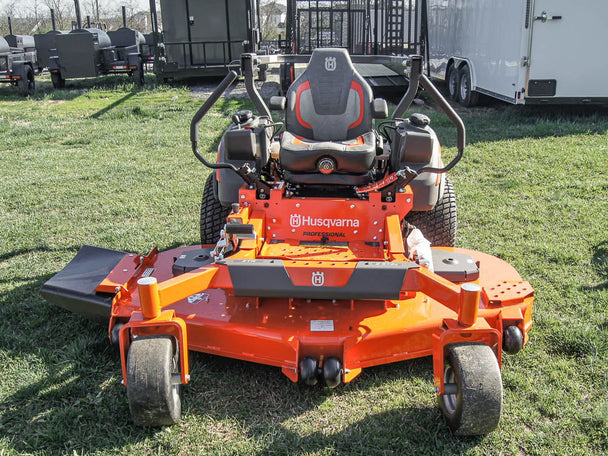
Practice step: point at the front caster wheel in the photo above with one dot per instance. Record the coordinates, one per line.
(332, 371)
(472, 402)
(153, 384)
(309, 370)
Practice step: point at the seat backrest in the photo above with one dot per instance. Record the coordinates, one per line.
(329, 101)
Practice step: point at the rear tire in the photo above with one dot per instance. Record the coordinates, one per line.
(213, 214)
(466, 95)
(439, 224)
(476, 406)
(152, 388)
(453, 82)
(27, 85)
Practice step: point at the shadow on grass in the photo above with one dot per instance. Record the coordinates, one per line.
(268, 406)
(599, 261)
(113, 105)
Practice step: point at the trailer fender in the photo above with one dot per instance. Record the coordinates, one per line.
(133, 60)
(19, 68)
(459, 62)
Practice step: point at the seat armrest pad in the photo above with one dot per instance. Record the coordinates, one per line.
(379, 108)
(277, 103)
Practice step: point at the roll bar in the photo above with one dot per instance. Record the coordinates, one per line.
(410, 65)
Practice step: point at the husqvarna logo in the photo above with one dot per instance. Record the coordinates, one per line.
(330, 63)
(298, 220)
(318, 279)
(295, 220)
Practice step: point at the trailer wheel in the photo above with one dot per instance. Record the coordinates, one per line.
(466, 96)
(153, 384)
(57, 80)
(27, 85)
(440, 223)
(213, 214)
(453, 82)
(472, 403)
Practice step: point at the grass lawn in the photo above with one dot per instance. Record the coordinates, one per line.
(105, 164)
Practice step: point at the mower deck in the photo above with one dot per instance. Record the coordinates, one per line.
(281, 331)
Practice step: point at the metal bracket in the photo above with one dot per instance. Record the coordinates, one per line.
(544, 17)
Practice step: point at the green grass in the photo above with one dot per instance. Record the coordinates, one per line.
(105, 164)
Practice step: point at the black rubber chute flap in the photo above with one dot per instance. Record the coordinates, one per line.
(73, 288)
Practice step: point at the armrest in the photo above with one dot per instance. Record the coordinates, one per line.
(278, 103)
(379, 108)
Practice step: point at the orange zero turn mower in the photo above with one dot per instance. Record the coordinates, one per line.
(327, 246)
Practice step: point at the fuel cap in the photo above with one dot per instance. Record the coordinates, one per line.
(419, 120)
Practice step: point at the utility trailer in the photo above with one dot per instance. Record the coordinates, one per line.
(520, 51)
(374, 27)
(203, 37)
(89, 52)
(17, 63)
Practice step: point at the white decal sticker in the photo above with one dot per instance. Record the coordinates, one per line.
(330, 63)
(295, 220)
(198, 297)
(321, 325)
(318, 279)
(148, 272)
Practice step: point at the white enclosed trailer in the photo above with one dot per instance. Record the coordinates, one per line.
(520, 51)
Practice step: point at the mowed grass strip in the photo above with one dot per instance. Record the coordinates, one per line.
(106, 164)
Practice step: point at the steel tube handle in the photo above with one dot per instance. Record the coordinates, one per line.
(453, 116)
(204, 109)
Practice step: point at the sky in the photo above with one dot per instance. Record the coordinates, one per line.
(85, 5)
(103, 4)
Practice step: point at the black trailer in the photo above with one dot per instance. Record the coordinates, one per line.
(17, 63)
(89, 52)
(148, 49)
(377, 27)
(363, 27)
(203, 37)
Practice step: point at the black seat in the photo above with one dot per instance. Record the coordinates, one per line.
(329, 116)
